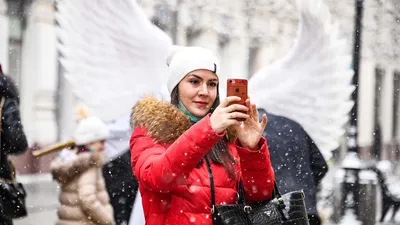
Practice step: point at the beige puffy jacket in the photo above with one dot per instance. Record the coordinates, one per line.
(83, 198)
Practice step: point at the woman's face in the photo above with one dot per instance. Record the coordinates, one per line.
(198, 91)
(97, 146)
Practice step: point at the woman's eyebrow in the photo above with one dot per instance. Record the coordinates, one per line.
(200, 78)
(196, 76)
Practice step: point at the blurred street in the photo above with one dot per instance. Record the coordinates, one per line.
(42, 194)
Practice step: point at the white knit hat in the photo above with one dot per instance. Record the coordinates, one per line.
(183, 60)
(89, 129)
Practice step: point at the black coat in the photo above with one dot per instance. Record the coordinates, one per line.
(13, 140)
(122, 186)
(297, 162)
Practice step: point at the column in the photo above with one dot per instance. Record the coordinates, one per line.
(39, 74)
(386, 109)
(4, 36)
(386, 112)
(66, 108)
(366, 106)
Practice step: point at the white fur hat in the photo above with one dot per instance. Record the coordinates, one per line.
(89, 129)
(183, 60)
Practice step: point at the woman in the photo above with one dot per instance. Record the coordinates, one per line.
(13, 140)
(172, 142)
(83, 198)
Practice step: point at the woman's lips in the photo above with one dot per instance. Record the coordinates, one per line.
(201, 103)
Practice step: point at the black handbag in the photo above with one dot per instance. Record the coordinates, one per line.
(12, 201)
(287, 209)
(12, 194)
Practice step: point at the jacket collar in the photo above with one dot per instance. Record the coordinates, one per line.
(162, 120)
(64, 170)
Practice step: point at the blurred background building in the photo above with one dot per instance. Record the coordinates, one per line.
(247, 35)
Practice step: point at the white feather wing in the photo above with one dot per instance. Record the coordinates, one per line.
(112, 54)
(312, 83)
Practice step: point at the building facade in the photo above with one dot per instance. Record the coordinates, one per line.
(247, 35)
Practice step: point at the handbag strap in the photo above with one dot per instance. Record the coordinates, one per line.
(3, 99)
(241, 192)
(212, 187)
(240, 188)
(275, 192)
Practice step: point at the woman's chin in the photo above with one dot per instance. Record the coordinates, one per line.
(200, 114)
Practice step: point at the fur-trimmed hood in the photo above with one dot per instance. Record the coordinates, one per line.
(162, 120)
(65, 170)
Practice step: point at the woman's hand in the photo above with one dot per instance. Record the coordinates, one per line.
(249, 132)
(226, 114)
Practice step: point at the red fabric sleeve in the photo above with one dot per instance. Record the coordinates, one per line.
(257, 172)
(159, 168)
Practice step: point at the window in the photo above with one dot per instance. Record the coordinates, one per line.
(377, 144)
(15, 16)
(254, 51)
(223, 45)
(379, 73)
(396, 99)
(162, 16)
(14, 56)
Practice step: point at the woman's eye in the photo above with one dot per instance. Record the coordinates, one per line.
(194, 81)
(213, 84)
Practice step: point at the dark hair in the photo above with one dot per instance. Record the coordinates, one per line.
(8, 88)
(219, 152)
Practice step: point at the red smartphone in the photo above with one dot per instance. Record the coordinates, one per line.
(237, 87)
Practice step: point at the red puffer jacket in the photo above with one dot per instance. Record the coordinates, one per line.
(165, 150)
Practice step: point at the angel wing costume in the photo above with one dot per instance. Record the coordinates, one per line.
(112, 54)
(312, 83)
(111, 63)
(108, 47)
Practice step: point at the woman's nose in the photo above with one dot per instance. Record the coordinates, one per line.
(203, 90)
